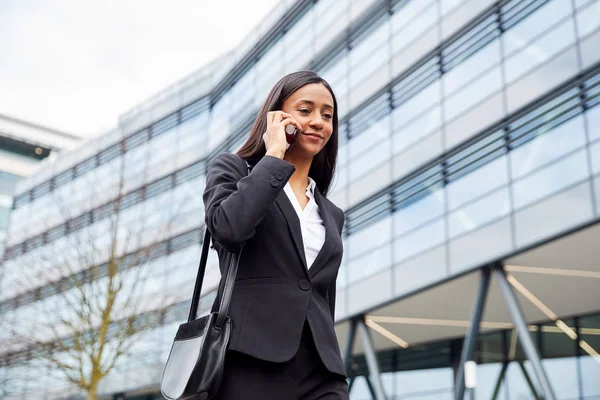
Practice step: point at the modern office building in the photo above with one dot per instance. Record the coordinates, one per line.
(23, 146)
(469, 172)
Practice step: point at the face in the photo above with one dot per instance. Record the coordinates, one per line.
(312, 107)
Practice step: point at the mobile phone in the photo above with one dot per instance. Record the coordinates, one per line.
(291, 132)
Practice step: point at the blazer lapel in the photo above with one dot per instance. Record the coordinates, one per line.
(330, 229)
(293, 223)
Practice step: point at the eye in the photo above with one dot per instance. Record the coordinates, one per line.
(304, 111)
(327, 116)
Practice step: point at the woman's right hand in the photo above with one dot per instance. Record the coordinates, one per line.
(274, 136)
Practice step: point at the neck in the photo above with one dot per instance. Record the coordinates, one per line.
(299, 179)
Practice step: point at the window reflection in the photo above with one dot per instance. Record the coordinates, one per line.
(478, 182)
(588, 19)
(540, 51)
(551, 179)
(522, 34)
(547, 146)
(407, 28)
(593, 123)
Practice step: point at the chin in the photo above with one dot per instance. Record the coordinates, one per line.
(307, 150)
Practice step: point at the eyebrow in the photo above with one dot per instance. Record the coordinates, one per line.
(312, 103)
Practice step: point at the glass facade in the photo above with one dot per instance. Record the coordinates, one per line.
(464, 124)
(427, 371)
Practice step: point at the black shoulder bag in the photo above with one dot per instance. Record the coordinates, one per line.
(196, 361)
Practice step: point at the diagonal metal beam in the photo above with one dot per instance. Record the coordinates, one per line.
(514, 308)
(471, 338)
(371, 357)
(499, 381)
(529, 381)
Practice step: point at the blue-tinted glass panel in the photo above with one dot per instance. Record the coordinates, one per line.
(526, 31)
(362, 70)
(368, 264)
(540, 51)
(479, 212)
(593, 123)
(407, 31)
(377, 34)
(478, 182)
(414, 107)
(449, 5)
(336, 70)
(407, 12)
(595, 155)
(472, 67)
(419, 240)
(588, 19)
(379, 130)
(547, 147)
(429, 206)
(551, 179)
(479, 89)
(369, 159)
(369, 238)
(417, 129)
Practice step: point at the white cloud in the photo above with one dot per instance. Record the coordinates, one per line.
(76, 65)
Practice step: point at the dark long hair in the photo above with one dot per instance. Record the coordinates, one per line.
(323, 164)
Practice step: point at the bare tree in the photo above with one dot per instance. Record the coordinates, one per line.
(99, 292)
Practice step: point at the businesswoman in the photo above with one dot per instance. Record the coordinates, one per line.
(283, 344)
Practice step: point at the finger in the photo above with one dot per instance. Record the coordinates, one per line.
(289, 121)
(271, 116)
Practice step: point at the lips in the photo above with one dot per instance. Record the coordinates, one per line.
(314, 135)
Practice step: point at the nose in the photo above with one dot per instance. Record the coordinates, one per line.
(316, 122)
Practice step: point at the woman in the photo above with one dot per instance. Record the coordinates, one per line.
(283, 344)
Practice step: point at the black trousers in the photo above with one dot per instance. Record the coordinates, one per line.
(304, 377)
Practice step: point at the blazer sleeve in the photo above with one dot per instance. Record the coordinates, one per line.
(235, 201)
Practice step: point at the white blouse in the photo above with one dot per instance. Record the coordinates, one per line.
(311, 223)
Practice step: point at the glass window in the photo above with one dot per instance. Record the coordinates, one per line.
(369, 159)
(479, 212)
(449, 5)
(362, 70)
(407, 28)
(548, 146)
(588, 19)
(474, 184)
(377, 35)
(473, 93)
(527, 30)
(369, 238)
(589, 329)
(593, 123)
(540, 51)
(410, 216)
(7, 182)
(595, 157)
(424, 384)
(335, 72)
(269, 64)
(419, 240)
(551, 179)
(581, 3)
(369, 263)
(415, 106)
(472, 67)
(406, 12)
(374, 134)
(417, 129)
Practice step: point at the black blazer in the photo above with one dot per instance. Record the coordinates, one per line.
(275, 292)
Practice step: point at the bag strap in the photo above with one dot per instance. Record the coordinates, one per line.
(230, 276)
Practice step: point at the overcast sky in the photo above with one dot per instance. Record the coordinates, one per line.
(75, 65)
